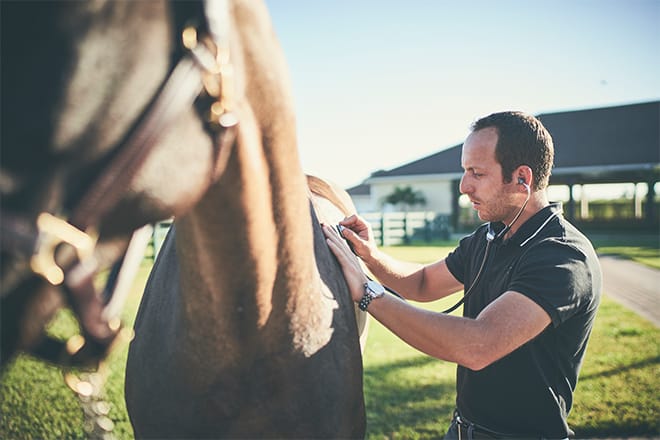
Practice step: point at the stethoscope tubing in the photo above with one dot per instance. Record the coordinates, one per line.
(490, 238)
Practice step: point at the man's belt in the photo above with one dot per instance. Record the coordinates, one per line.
(469, 430)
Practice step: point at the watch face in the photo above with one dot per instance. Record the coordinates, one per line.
(375, 287)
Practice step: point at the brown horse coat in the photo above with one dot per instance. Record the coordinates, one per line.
(246, 328)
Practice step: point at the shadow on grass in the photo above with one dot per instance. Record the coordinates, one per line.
(401, 403)
(622, 401)
(618, 370)
(406, 400)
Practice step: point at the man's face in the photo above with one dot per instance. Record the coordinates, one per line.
(482, 178)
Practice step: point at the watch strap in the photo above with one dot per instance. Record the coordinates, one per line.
(365, 301)
(369, 295)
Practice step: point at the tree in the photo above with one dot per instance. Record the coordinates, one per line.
(405, 196)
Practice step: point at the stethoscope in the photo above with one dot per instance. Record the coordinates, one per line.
(491, 236)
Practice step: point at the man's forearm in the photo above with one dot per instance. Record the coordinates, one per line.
(400, 276)
(413, 281)
(450, 338)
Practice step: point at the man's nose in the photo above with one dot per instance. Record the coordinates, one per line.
(463, 187)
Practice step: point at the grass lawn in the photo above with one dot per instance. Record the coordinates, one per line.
(408, 395)
(642, 248)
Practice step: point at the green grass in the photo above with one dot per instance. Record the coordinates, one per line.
(408, 395)
(36, 403)
(642, 248)
(411, 396)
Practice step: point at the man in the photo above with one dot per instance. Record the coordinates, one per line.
(532, 286)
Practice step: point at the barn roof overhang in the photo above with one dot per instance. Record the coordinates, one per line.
(624, 173)
(560, 176)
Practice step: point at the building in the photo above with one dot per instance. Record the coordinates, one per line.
(618, 144)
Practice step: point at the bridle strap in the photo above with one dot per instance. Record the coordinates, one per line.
(183, 86)
(177, 94)
(204, 67)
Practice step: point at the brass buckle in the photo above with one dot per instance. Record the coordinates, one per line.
(217, 77)
(54, 231)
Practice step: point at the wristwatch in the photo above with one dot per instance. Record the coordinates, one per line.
(372, 291)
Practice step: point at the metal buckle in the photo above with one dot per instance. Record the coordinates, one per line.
(54, 231)
(217, 76)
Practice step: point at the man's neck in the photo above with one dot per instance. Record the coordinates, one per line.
(537, 201)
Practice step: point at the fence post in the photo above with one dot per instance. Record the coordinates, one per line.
(406, 238)
(382, 228)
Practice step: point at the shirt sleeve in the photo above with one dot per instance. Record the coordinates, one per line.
(556, 276)
(453, 261)
(461, 260)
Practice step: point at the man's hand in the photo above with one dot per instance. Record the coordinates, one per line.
(353, 274)
(359, 234)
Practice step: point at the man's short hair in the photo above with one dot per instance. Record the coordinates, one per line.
(522, 140)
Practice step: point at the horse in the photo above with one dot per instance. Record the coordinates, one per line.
(150, 110)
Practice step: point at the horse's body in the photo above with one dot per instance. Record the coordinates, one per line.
(246, 327)
(235, 343)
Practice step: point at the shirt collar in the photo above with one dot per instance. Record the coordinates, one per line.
(534, 224)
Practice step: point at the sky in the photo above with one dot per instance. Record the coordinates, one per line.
(377, 84)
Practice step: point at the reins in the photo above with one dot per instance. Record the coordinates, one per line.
(202, 77)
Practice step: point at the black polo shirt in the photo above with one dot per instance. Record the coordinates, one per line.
(530, 391)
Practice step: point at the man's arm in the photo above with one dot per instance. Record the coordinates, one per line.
(507, 323)
(413, 281)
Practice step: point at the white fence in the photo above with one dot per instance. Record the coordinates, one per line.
(390, 228)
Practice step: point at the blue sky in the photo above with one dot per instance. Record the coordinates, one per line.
(381, 83)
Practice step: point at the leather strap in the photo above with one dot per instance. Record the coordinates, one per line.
(177, 94)
(203, 64)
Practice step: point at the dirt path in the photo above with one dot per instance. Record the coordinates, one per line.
(633, 285)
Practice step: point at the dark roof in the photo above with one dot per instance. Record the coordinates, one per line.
(628, 134)
(445, 161)
(360, 190)
(625, 137)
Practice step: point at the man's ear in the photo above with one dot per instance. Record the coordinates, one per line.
(523, 176)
